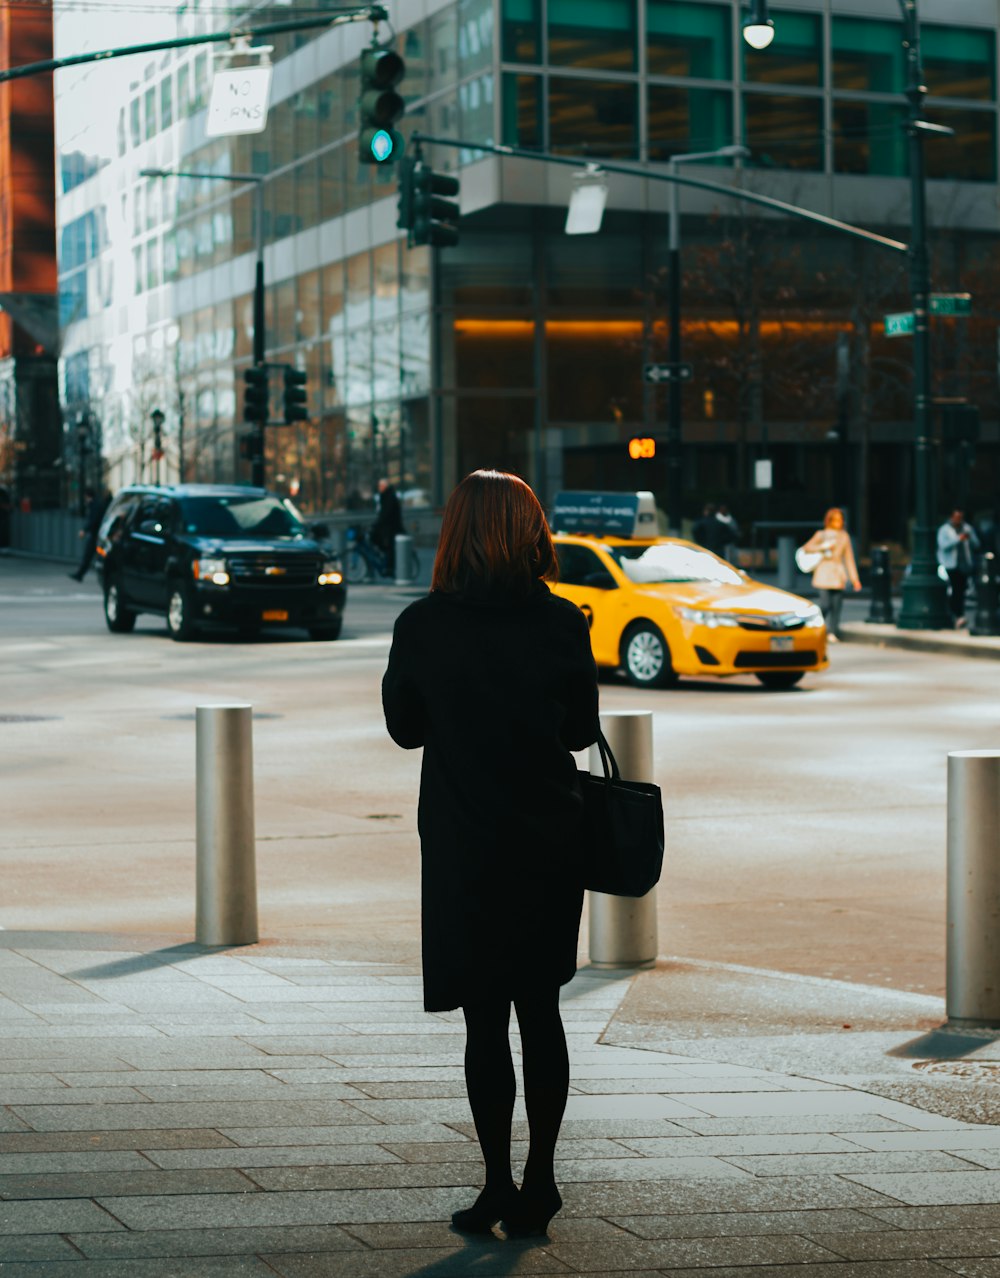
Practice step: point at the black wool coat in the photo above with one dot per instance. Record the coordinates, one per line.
(498, 691)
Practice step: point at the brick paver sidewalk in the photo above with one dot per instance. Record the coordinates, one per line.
(271, 1111)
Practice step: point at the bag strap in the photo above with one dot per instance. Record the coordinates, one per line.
(608, 761)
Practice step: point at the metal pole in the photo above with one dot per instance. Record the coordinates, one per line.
(257, 470)
(623, 929)
(403, 550)
(924, 605)
(675, 470)
(973, 962)
(226, 910)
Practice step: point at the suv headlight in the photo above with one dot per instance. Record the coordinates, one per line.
(330, 575)
(701, 617)
(213, 570)
(812, 619)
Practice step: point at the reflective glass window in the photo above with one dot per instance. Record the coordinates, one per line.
(416, 55)
(134, 120)
(475, 36)
(332, 296)
(592, 33)
(959, 62)
(359, 290)
(795, 56)
(586, 359)
(386, 280)
(307, 309)
(385, 359)
(609, 276)
(870, 137)
(414, 277)
(166, 103)
(783, 132)
(521, 34)
(443, 36)
(475, 113)
(491, 432)
(150, 112)
(688, 39)
(358, 385)
(415, 354)
(867, 56)
(183, 90)
(688, 120)
(969, 156)
(522, 110)
(331, 183)
(593, 117)
(494, 353)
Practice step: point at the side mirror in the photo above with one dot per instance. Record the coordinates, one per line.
(151, 527)
(320, 531)
(600, 581)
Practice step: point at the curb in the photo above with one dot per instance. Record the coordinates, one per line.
(960, 644)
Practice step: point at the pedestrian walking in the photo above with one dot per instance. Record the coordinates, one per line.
(956, 542)
(835, 569)
(388, 523)
(493, 676)
(96, 505)
(731, 533)
(708, 532)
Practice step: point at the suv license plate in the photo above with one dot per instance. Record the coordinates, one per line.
(274, 615)
(783, 644)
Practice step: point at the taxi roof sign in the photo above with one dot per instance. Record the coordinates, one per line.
(605, 514)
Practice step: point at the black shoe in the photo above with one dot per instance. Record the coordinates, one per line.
(490, 1207)
(532, 1212)
(74, 576)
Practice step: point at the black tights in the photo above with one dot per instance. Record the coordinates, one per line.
(489, 1076)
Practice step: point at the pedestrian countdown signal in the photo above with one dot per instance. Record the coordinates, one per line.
(642, 448)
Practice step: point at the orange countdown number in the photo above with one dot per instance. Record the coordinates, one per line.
(641, 449)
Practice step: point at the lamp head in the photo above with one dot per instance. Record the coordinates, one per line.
(758, 29)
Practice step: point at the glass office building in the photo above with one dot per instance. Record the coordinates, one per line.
(523, 347)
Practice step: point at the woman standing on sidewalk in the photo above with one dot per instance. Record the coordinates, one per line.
(835, 569)
(493, 675)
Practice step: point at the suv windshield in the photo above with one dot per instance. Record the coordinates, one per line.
(649, 565)
(236, 516)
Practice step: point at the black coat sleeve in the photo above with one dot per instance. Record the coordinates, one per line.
(401, 701)
(580, 727)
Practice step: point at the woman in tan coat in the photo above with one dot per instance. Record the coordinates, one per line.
(835, 569)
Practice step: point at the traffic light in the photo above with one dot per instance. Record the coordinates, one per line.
(248, 446)
(380, 106)
(423, 213)
(296, 409)
(256, 394)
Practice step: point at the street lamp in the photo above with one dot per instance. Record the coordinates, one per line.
(675, 470)
(758, 29)
(157, 418)
(257, 181)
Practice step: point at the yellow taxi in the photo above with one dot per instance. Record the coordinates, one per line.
(660, 607)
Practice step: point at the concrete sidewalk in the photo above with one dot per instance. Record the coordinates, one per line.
(174, 1111)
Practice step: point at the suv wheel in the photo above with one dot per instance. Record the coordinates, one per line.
(180, 625)
(646, 657)
(119, 618)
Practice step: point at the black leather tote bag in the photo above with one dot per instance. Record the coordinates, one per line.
(622, 833)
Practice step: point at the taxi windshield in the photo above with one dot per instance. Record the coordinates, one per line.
(238, 516)
(652, 565)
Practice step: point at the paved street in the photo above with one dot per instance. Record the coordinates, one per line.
(772, 1093)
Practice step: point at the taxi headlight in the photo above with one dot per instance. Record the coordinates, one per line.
(813, 619)
(330, 575)
(702, 617)
(213, 570)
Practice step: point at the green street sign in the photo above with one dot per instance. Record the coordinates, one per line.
(951, 304)
(900, 324)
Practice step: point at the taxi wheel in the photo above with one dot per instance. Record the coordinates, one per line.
(646, 657)
(778, 679)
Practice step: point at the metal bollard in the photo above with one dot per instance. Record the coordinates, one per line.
(623, 929)
(973, 963)
(404, 550)
(786, 562)
(880, 612)
(226, 911)
(987, 616)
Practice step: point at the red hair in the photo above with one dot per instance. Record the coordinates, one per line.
(493, 533)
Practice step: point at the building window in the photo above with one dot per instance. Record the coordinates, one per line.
(795, 57)
(135, 121)
(593, 117)
(475, 113)
(688, 120)
(522, 111)
(166, 103)
(521, 33)
(870, 138)
(475, 36)
(969, 156)
(150, 113)
(592, 33)
(686, 39)
(867, 56)
(783, 132)
(959, 62)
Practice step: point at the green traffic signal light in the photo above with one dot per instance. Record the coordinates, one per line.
(256, 394)
(380, 106)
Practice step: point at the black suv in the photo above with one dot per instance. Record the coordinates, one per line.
(203, 554)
